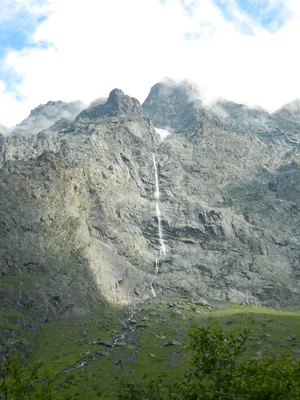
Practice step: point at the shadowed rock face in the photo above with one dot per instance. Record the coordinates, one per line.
(78, 218)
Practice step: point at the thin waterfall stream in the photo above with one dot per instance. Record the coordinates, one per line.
(162, 247)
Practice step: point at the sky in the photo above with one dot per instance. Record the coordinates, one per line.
(245, 51)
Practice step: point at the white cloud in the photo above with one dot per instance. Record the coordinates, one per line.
(10, 107)
(97, 45)
(10, 8)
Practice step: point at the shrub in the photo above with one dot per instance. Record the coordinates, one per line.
(217, 371)
(19, 383)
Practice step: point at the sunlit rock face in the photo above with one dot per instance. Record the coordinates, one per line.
(78, 215)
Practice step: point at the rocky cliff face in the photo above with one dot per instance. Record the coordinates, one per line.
(233, 232)
(78, 216)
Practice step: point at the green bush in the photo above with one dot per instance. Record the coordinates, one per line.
(217, 371)
(19, 383)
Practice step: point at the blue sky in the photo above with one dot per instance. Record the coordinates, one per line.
(271, 18)
(16, 31)
(18, 19)
(16, 38)
(81, 49)
(17, 25)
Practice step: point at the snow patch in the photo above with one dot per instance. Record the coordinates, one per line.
(163, 133)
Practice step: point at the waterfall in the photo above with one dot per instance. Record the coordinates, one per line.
(162, 250)
(156, 269)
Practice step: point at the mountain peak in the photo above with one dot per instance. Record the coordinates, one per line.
(171, 91)
(174, 105)
(117, 103)
(45, 115)
(292, 106)
(115, 94)
(121, 102)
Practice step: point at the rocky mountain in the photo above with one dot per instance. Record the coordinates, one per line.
(79, 209)
(45, 115)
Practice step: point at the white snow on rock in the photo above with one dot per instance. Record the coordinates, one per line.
(163, 133)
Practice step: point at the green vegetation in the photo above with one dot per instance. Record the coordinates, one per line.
(20, 383)
(216, 371)
(143, 354)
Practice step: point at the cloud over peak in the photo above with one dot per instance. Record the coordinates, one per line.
(82, 49)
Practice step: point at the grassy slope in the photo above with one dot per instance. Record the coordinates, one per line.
(16, 328)
(143, 354)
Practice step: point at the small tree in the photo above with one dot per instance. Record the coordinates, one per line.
(214, 355)
(19, 383)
